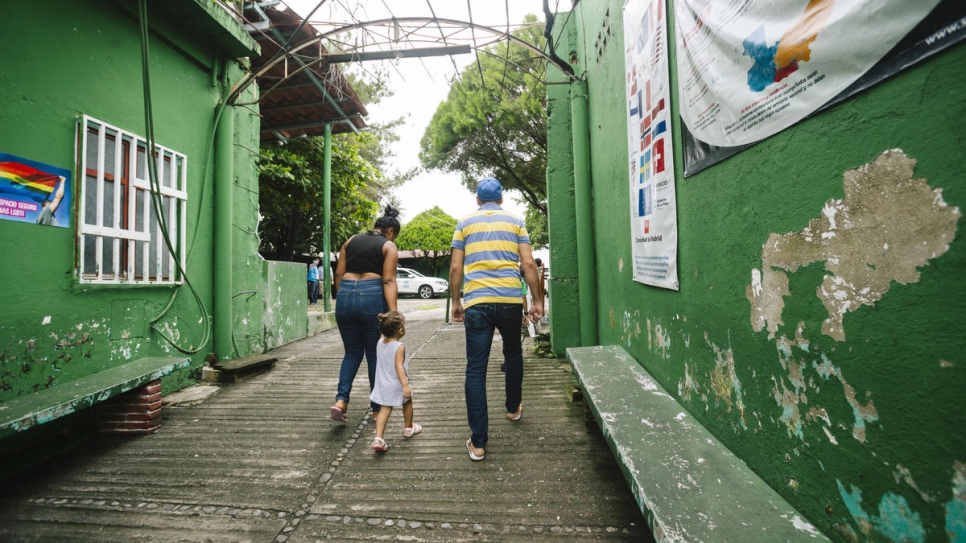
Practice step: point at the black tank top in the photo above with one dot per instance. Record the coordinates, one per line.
(363, 254)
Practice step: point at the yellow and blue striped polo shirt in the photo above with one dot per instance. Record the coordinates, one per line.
(490, 239)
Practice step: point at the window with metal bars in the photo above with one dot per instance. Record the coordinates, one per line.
(119, 237)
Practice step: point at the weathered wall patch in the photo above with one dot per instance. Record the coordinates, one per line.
(887, 225)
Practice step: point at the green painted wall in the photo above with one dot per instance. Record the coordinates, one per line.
(562, 286)
(87, 60)
(284, 319)
(861, 429)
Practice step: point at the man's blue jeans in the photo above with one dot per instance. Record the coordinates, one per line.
(480, 321)
(356, 305)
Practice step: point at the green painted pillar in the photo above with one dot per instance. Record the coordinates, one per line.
(327, 220)
(224, 181)
(583, 196)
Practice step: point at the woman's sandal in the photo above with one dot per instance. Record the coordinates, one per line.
(338, 414)
(412, 430)
(379, 445)
(473, 456)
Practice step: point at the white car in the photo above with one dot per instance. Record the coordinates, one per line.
(412, 282)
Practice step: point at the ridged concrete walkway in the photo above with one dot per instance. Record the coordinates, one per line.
(260, 461)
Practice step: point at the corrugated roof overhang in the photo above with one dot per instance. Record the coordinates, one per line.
(299, 96)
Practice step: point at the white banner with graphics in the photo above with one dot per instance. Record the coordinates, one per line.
(748, 70)
(654, 227)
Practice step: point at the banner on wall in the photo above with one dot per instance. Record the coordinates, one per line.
(34, 192)
(654, 229)
(748, 70)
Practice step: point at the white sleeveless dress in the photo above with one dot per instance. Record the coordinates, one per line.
(387, 389)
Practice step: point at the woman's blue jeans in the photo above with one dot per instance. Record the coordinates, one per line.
(356, 306)
(480, 321)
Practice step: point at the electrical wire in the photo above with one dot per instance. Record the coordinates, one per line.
(156, 195)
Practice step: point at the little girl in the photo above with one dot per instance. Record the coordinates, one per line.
(391, 388)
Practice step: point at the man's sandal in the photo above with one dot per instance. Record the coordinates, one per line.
(473, 456)
(516, 416)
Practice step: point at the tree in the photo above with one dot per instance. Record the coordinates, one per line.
(291, 196)
(493, 122)
(429, 236)
(537, 228)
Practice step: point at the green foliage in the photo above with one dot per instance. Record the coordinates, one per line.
(429, 235)
(291, 196)
(493, 122)
(536, 222)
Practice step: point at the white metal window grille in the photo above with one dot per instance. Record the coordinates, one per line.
(120, 240)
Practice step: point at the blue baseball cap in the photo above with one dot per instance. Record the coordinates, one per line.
(489, 190)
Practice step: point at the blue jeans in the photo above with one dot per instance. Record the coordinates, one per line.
(356, 305)
(480, 321)
(313, 291)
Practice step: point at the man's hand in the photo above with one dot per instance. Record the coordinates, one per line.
(457, 312)
(536, 311)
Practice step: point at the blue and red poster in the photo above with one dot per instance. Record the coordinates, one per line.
(34, 192)
(654, 227)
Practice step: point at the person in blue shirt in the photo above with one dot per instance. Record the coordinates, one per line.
(313, 282)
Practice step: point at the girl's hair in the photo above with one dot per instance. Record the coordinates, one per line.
(389, 219)
(392, 324)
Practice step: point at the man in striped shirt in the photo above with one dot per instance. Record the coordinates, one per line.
(489, 246)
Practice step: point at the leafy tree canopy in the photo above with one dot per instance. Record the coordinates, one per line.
(493, 122)
(429, 235)
(291, 196)
(537, 228)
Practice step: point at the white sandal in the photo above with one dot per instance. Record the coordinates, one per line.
(379, 445)
(412, 430)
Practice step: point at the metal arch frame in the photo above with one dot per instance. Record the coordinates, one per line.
(498, 34)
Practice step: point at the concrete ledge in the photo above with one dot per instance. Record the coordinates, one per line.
(320, 321)
(52, 403)
(688, 484)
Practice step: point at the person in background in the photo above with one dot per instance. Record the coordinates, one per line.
(365, 282)
(392, 388)
(542, 273)
(542, 277)
(489, 246)
(313, 282)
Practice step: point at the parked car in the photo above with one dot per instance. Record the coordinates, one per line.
(413, 282)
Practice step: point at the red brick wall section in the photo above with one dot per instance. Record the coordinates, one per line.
(135, 412)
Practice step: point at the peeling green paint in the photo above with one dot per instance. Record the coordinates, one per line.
(852, 233)
(956, 507)
(895, 520)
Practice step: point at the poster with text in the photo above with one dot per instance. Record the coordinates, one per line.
(748, 70)
(34, 192)
(654, 229)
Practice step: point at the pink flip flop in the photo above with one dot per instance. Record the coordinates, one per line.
(338, 414)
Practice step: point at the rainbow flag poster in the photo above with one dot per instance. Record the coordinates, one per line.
(34, 192)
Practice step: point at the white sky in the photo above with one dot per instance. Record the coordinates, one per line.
(421, 85)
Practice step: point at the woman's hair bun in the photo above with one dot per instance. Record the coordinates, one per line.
(391, 212)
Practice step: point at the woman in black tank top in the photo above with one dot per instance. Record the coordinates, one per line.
(365, 282)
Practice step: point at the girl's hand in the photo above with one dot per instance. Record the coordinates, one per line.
(407, 392)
